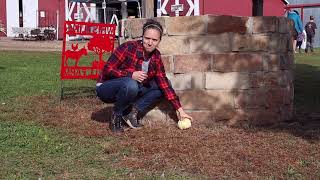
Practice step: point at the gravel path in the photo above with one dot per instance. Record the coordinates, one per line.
(29, 45)
(33, 45)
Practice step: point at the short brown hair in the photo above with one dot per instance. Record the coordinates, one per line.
(152, 24)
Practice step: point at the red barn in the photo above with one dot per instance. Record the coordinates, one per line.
(45, 13)
(221, 7)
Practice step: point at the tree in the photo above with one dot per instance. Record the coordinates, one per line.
(101, 44)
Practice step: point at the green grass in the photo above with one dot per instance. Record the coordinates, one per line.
(30, 151)
(307, 80)
(32, 73)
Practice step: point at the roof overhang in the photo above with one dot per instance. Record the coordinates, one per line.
(302, 6)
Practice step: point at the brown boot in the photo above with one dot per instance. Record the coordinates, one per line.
(132, 119)
(115, 123)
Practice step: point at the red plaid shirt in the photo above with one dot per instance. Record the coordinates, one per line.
(128, 58)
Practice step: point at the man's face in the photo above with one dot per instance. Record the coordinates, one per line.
(151, 40)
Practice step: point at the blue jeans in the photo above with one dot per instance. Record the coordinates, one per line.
(125, 92)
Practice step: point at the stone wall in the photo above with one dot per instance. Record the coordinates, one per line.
(225, 68)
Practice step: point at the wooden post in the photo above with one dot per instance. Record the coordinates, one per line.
(148, 8)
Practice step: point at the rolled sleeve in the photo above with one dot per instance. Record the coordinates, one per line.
(165, 86)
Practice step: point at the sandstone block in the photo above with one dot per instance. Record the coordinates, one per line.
(257, 79)
(272, 79)
(287, 112)
(180, 81)
(286, 78)
(264, 117)
(239, 62)
(275, 98)
(174, 45)
(133, 27)
(254, 98)
(198, 80)
(234, 24)
(283, 25)
(264, 24)
(271, 62)
(186, 25)
(201, 118)
(239, 118)
(168, 63)
(286, 61)
(221, 114)
(258, 117)
(211, 44)
(192, 62)
(250, 42)
(227, 81)
(206, 100)
(278, 43)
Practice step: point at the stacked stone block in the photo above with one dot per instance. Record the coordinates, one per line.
(225, 68)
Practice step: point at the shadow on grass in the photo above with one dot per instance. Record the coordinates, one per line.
(72, 92)
(102, 115)
(307, 87)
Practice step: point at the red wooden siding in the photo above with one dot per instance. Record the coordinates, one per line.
(240, 8)
(50, 8)
(273, 8)
(3, 13)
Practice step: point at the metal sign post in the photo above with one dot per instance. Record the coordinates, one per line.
(104, 5)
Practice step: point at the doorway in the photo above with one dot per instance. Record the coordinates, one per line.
(257, 7)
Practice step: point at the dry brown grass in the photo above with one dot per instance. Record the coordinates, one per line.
(287, 151)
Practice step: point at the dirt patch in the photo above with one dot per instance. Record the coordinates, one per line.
(217, 152)
(29, 45)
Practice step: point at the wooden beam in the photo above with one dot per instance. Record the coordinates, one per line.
(148, 8)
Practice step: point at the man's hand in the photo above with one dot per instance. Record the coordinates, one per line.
(183, 114)
(139, 76)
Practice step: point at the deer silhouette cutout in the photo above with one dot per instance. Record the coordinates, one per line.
(75, 54)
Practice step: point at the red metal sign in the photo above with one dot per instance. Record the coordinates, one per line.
(101, 41)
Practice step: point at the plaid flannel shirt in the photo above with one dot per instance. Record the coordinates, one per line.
(128, 58)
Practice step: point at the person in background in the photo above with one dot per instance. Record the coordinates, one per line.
(134, 78)
(301, 37)
(310, 28)
(297, 27)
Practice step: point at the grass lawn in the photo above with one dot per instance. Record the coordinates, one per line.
(43, 138)
(307, 81)
(29, 149)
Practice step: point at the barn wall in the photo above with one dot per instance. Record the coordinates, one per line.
(273, 8)
(226, 7)
(3, 12)
(237, 72)
(50, 9)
